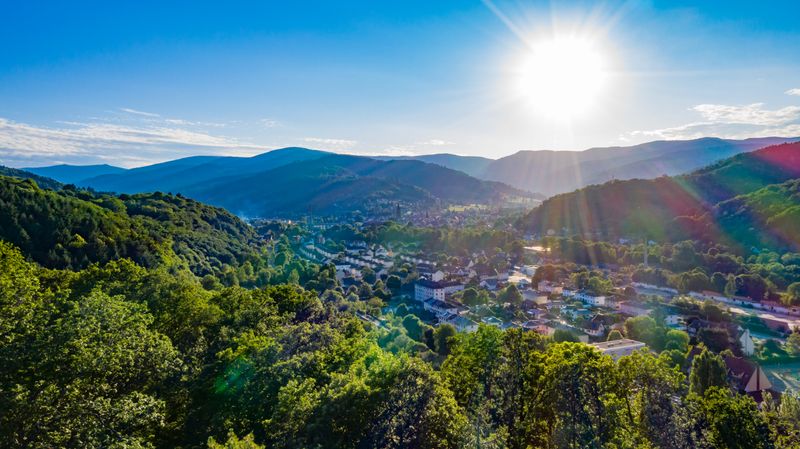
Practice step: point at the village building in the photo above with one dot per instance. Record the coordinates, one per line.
(587, 298)
(619, 348)
(540, 326)
(492, 321)
(747, 377)
(462, 324)
(550, 288)
(440, 307)
(425, 289)
(746, 341)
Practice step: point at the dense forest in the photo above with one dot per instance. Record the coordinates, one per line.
(123, 351)
(73, 228)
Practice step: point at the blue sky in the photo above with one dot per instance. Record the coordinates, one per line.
(141, 82)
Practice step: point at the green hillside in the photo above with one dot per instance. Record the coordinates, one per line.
(338, 183)
(699, 205)
(74, 228)
(768, 217)
(43, 182)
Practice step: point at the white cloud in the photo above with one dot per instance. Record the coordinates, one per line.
(752, 114)
(121, 144)
(436, 142)
(270, 123)
(142, 113)
(335, 144)
(731, 122)
(795, 91)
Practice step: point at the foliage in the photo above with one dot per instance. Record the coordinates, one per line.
(708, 370)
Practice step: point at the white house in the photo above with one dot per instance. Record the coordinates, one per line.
(441, 308)
(746, 340)
(588, 298)
(595, 327)
(619, 348)
(425, 289)
(461, 323)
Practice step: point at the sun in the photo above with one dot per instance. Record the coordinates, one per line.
(562, 77)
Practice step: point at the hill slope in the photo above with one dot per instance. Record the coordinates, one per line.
(713, 203)
(341, 183)
(74, 228)
(175, 176)
(43, 182)
(554, 172)
(298, 180)
(471, 165)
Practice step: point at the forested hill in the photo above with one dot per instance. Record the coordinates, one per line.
(44, 182)
(340, 183)
(297, 181)
(72, 228)
(706, 204)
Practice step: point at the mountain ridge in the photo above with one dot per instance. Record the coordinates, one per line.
(710, 203)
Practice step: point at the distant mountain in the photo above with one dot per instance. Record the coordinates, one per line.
(74, 174)
(721, 202)
(41, 181)
(299, 180)
(553, 172)
(471, 165)
(175, 176)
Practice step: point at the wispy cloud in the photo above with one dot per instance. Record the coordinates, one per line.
(751, 114)
(436, 143)
(331, 144)
(122, 144)
(142, 113)
(730, 121)
(270, 123)
(795, 91)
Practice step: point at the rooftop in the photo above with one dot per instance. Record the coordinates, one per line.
(618, 344)
(436, 285)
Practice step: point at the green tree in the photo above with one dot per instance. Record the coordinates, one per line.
(614, 335)
(441, 338)
(708, 370)
(644, 328)
(677, 340)
(793, 342)
(413, 326)
(561, 335)
(234, 442)
(792, 296)
(733, 420)
(394, 283)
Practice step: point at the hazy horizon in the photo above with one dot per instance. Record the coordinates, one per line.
(384, 155)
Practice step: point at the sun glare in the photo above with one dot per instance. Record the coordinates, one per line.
(562, 77)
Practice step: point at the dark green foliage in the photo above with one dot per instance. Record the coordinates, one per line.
(74, 228)
(733, 421)
(708, 370)
(41, 181)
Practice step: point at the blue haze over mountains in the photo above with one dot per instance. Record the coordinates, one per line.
(296, 180)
